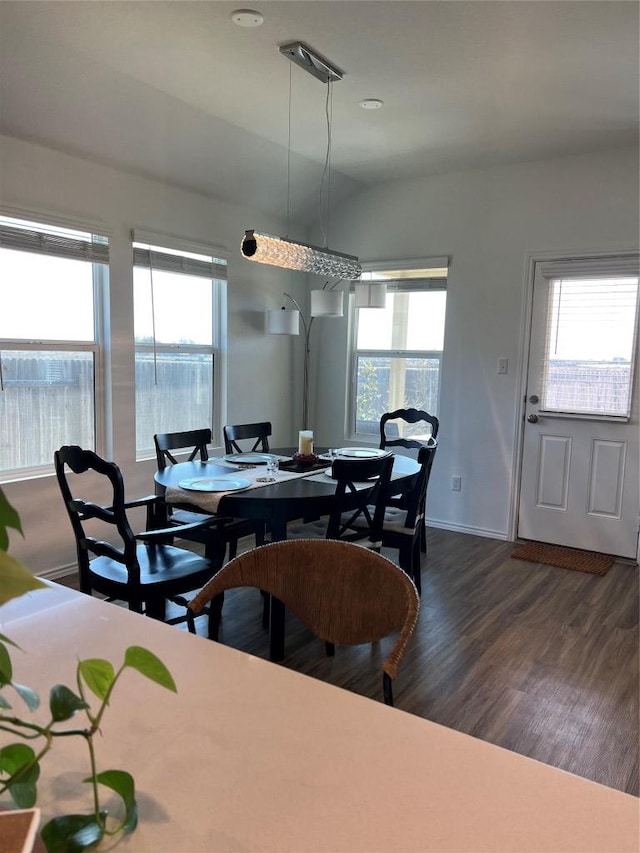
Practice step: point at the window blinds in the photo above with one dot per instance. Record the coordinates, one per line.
(59, 243)
(153, 258)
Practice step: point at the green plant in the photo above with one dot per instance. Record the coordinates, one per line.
(20, 761)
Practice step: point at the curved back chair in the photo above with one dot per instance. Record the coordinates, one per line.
(342, 592)
(141, 568)
(196, 441)
(233, 433)
(390, 438)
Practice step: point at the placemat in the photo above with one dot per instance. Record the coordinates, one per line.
(209, 501)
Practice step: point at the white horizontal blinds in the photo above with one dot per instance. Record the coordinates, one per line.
(591, 332)
(152, 257)
(57, 242)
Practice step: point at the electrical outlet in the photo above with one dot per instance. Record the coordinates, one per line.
(456, 484)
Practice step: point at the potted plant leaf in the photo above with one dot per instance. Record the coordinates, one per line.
(25, 741)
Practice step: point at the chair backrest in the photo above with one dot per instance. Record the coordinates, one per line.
(233, 433)
(195, 440)
(81, 511)
(348, 473)
(415, 499)
(343, 593)
(389, 430)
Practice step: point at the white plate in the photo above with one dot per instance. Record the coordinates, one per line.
(215, 484)
(249, 458)
(361, 452)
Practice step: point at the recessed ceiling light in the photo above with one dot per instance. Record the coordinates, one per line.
(247, 18)
(371, 104)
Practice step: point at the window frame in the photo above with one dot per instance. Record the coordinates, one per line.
(219, 259)
(100, 286)
(404, 280)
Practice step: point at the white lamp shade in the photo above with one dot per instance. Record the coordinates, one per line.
(326, 303)
(283, 322)
(370, 295)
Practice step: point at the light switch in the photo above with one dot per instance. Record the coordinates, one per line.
(503, 365)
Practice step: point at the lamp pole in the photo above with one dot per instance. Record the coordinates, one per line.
(307, 349)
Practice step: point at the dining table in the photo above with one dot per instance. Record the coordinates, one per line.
(295, 493)
(249, 756)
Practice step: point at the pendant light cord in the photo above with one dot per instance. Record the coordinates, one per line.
(289, 160)
(326, 172)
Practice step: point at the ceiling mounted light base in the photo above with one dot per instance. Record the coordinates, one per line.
(289, 254)
(311, 61)
(247, 18)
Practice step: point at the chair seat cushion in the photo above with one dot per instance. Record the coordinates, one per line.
(311, 530)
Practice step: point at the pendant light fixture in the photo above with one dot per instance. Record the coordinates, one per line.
(282, 251)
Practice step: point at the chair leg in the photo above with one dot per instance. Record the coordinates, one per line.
(215, 616)
(423, 538)
(330, 649)
(416, 566)
(266, 609)
(233, 548)
(387, 689)
(157, 608)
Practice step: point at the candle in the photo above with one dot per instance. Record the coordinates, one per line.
(305, 441)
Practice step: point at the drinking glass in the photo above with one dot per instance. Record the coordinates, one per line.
(273, 466)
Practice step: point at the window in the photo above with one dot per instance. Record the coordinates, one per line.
(177, 317)
(397, 350)
(50, 371)
(587, 367)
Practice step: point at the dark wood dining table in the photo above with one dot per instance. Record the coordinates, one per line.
(277, 504)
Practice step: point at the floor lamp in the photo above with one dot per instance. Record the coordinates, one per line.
(286, 321)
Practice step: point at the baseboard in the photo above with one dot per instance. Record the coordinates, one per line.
(60, 572)
(463, 528)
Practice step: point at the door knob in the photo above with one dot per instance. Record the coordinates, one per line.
(533, 419)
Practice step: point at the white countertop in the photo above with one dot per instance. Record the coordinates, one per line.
(250, 756)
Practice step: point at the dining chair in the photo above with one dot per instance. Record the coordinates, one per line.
(344, 593)
(389, 428)
(357, 512)
(140, 569)
(195, 442)
(259, 432)
(390, 437)
(402, 527)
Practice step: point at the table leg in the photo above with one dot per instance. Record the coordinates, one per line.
(276, 621)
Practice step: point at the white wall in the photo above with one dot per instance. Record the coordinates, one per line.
(260, 379)
(486, 221)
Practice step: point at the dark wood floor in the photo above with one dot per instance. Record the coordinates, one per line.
(539, 660)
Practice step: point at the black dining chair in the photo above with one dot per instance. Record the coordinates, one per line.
(195, 443)
(357, 511)
(402, 527)
(140, 569)
(392, 424)
(258, 432)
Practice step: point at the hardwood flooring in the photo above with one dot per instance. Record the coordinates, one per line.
(539, 660)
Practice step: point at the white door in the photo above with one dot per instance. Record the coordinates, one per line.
(580, 463)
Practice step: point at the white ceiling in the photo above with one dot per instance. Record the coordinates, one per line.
(175, 90)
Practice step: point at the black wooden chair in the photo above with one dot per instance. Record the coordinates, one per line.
(389, 432)
(195, 442)
(141, 569)
(343, 593)
(390, 437)
(258, 432)
(364, 519)
(403, 527)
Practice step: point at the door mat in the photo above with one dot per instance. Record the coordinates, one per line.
(564, 558)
